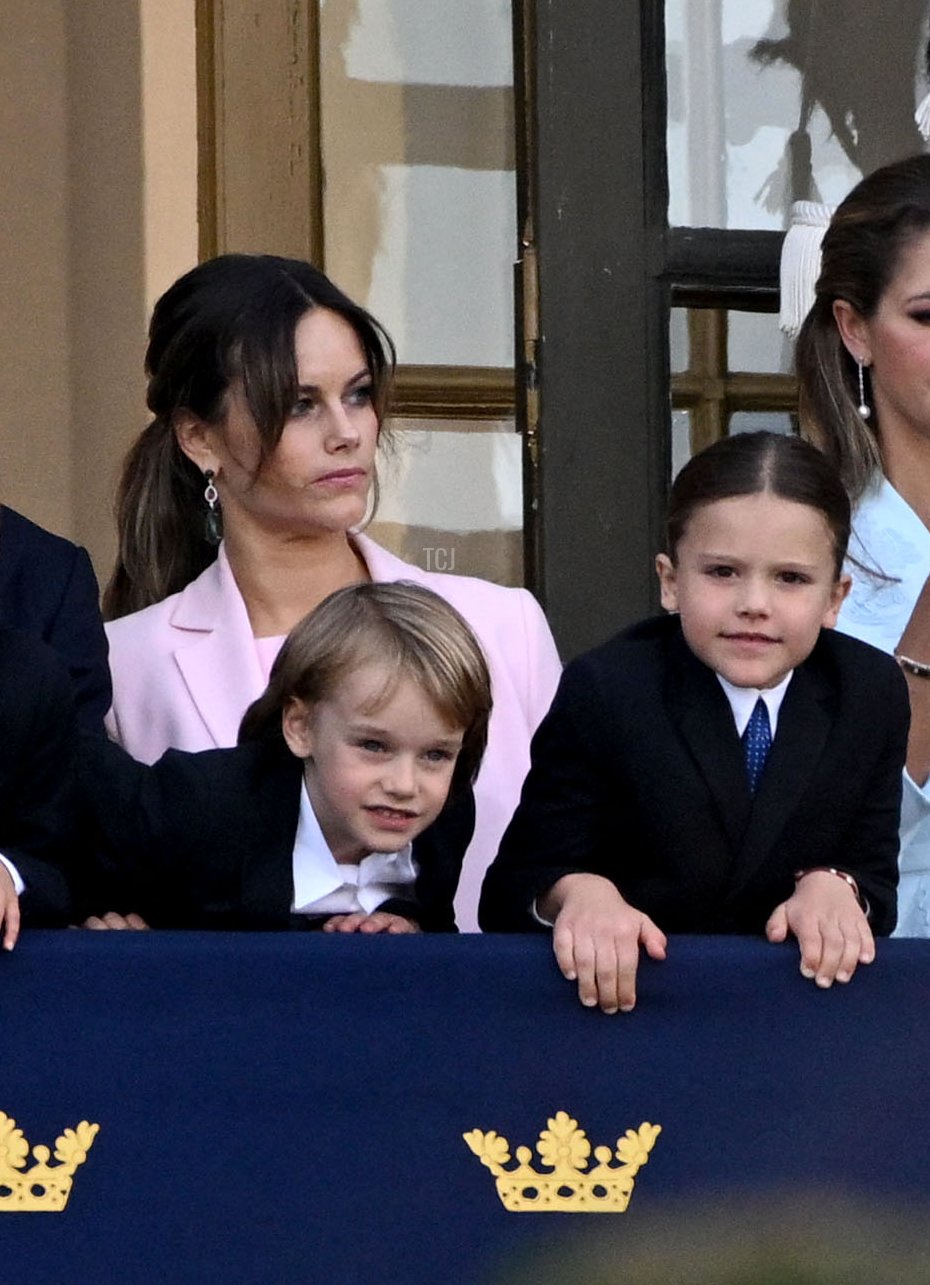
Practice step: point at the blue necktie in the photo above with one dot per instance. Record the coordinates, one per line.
(757, 741)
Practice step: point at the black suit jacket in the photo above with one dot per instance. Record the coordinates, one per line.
(206, 840)
(38, 831)
(638, 774)
(48, 590)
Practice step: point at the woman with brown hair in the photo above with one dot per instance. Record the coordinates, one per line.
(240, 509)
(863, 360)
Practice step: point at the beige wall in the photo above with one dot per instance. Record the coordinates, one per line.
(35, 450)
(106, 255)
(97, 215)
(169, 142)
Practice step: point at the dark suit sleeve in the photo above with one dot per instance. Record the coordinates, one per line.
(156, 832)
(125, 829)
(38, 812)
(557, 828)
(207, 839)
(868, 849)
(48, 590)
(196, 840)
(76, 632)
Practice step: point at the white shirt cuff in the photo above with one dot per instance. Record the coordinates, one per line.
(18, 884)
(534, 911)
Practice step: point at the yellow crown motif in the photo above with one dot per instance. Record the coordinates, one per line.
(570, 1186)
(43, 1188)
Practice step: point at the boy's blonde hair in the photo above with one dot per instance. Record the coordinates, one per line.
(409, 630)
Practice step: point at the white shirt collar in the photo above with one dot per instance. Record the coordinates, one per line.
(743, 701)
(324, 886)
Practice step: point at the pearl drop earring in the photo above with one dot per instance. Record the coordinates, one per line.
(865, 410)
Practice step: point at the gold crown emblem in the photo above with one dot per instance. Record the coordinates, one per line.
(43, 1188)
(570, 1186)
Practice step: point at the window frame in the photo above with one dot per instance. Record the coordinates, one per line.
(593, 376)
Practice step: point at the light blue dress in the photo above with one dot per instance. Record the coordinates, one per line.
(893, 547)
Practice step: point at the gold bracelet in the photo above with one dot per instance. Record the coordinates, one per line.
(913, 666)
(832, 870)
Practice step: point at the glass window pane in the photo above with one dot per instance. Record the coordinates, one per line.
(452, 497)
(681, 439)
(733, 376)
(775, 101)
(678, 339)
(756, 343)
(770, 421)
(418, 152)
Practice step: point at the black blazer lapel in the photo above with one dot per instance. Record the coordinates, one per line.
(699, 708)
(804, 723)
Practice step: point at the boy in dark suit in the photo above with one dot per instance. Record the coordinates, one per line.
(736, 768)
(347, 805)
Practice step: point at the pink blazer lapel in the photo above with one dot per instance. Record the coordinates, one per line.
(384, 567)
(217, 657)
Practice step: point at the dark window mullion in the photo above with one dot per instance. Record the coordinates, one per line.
(721, 268)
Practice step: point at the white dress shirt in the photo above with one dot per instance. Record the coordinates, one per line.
(325, 886)
(743, 701)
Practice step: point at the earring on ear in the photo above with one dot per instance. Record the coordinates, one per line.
(213, 520)
(865, 410)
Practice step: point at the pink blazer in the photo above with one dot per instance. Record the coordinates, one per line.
(185, 670)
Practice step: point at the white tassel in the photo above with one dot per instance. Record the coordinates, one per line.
(922, 117)
(800, 262)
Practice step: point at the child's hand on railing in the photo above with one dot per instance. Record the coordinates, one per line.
(597, 936)
(831, 927)
(378, 922)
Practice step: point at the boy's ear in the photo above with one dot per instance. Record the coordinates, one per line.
(668, 582)
(853, 331)
(838, 596)
(195, 438)
(297, 727)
